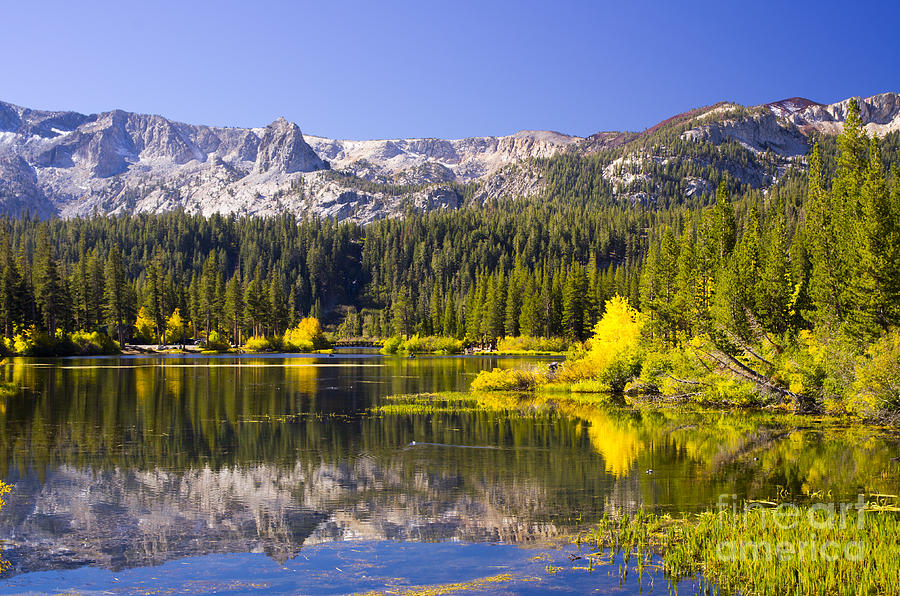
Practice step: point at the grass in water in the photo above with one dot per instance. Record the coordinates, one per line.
(426, 403)
(451, 403)
(765, 548)
(4, 488)
(479, 584)
(419, 409)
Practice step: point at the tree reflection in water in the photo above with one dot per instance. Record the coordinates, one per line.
(127, 462)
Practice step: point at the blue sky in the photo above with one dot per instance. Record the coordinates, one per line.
(381, 69)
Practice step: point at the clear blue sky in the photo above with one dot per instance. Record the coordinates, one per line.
(377, 69)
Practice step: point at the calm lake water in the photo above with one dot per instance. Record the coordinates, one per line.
(274, 474)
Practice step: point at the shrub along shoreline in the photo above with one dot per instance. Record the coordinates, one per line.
(520, 345)
(305, 337)
(32, 341)
(810, 374)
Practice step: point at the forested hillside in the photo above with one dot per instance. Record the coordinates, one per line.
(814, 251)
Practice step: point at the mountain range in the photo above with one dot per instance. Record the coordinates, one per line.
(68, 164)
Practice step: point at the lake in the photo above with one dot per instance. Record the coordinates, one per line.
(272, 474)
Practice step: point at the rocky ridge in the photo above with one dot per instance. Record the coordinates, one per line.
(69, 164)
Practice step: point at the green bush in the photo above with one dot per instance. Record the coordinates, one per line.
(93, 343)
(391, 345)
(258, 343)
(622, 369)
(724, 388)
(216, 343)
(877, 386)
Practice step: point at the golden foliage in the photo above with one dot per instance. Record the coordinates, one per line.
(175, 328)
(145, 327)
(306, 336)
(615, 341)
(877, 386)
(509, 379)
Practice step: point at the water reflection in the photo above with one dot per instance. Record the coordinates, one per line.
(128, 462)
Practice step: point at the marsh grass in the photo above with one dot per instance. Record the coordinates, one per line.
(419, 409)
(426, 403)
(480, 584)
(451, 402)
(4, 489)
(749, 552)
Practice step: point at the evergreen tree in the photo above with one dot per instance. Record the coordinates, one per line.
(255, 304)
(277, 305)
(207, 303)
(402, 312)
(684, 303)
(437, 312)
(877, 285)
(13, 294)
(234, 307)
(117, 294)
(50, 288)
(449, 324)
(574, 293)
(723, 225)
(530, 319)
(775, 288)
(828, 277)
(514, 300)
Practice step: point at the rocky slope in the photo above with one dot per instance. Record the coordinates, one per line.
(69, 164)
(784, 126)
(755, 145)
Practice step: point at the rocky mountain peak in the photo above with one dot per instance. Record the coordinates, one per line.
(789, 106)
(880, 115)
(282, 149)
(57, 163)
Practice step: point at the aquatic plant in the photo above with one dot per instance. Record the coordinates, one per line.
(4, 489)
(449, 402)
(480, 584)
(764, 547)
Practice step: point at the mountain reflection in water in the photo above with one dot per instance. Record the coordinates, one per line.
(126, 462)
